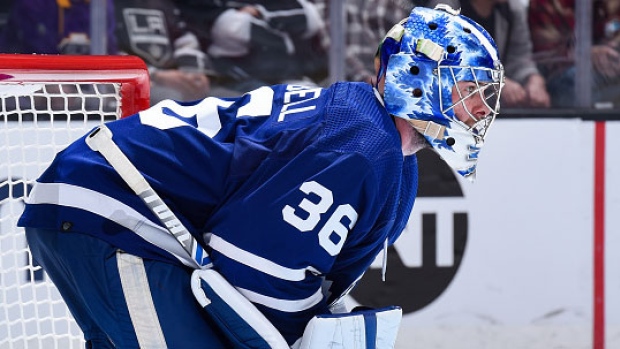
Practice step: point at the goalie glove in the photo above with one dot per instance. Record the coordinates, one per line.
(363, 329)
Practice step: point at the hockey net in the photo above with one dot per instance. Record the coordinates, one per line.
(46, 102)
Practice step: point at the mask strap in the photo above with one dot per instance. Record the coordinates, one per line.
(428, 128)
(429, 49)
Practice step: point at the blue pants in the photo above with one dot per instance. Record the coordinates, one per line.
(120, 300)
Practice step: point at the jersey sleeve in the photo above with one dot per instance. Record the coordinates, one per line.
(182, 158)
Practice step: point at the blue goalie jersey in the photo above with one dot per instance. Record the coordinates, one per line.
(295, 189)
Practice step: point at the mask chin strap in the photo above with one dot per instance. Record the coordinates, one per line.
(428, 128)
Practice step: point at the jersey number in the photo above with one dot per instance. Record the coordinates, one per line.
(333, 234)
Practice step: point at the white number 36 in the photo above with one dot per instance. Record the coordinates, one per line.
(333, 234)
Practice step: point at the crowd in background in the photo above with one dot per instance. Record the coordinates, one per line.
(197, 48)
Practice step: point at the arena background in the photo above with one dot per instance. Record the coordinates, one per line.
(528, 255)
(537, 263)
(524, 257)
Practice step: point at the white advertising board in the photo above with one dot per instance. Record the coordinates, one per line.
(527, 274)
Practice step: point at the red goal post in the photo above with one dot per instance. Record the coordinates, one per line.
(46, 102)
(129, 72)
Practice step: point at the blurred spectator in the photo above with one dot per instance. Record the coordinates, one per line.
(56, 27)
(506, 21)
(5, 6)
(154, 31)
(367, 23)
(52, 27)
(257, 42)
(552, 23)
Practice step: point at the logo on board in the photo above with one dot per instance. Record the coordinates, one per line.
(426, 257)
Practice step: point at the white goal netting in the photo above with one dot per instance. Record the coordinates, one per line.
(37, 120)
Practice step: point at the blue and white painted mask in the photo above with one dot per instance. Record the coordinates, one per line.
(443, 75)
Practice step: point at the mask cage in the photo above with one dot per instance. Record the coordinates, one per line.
(487, 85)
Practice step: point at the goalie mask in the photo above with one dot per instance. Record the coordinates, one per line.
(425, 58)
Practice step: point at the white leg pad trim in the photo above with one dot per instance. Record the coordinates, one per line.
(367, 329)
(140, 302)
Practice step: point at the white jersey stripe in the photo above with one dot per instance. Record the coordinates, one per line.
(85, 199)
(256, 262)
(285, 305)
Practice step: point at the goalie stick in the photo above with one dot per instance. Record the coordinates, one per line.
(101, 140)
(242, 322)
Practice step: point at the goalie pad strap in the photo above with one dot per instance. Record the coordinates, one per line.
(370, 327)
